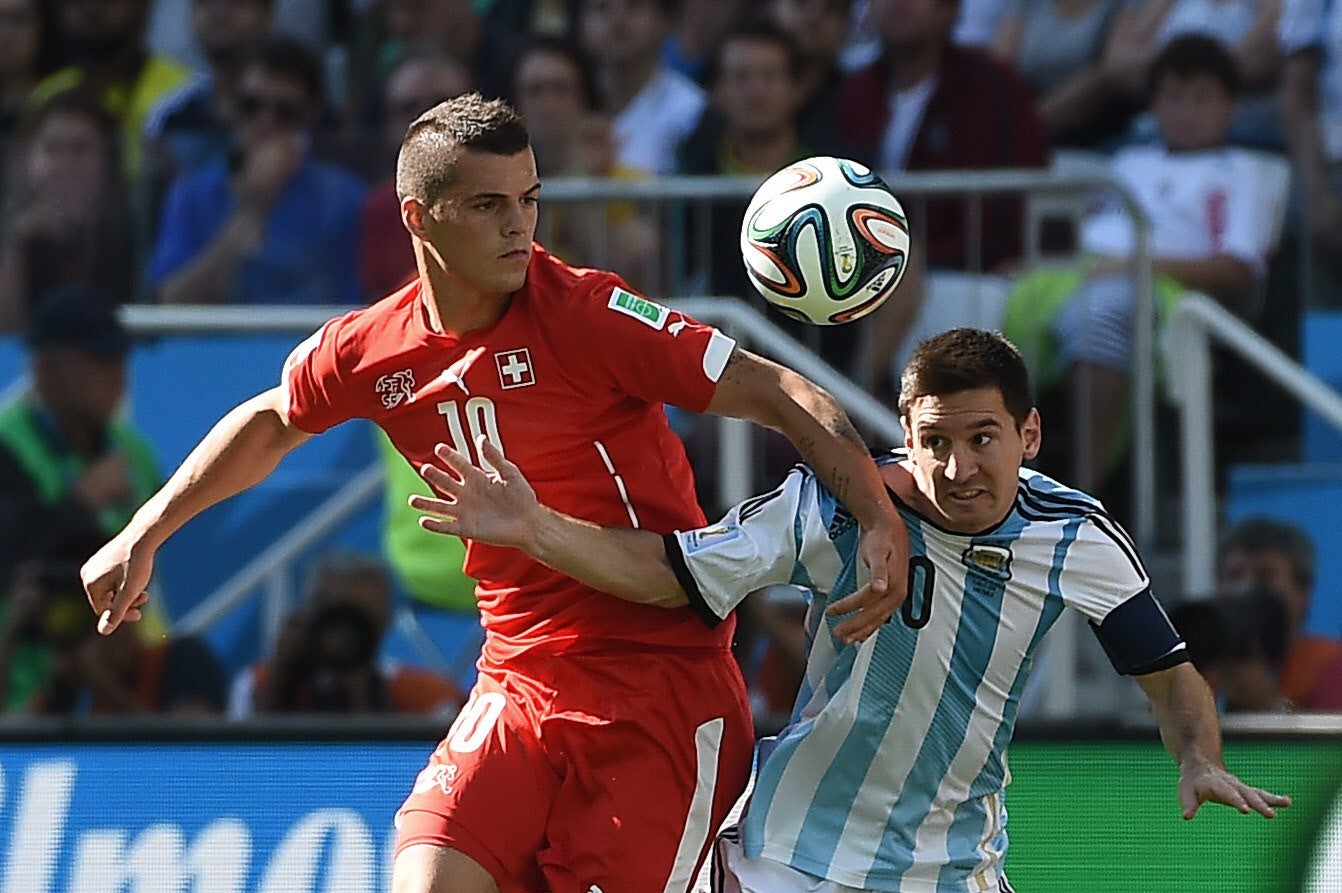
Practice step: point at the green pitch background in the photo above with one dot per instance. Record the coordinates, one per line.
(1094, 817)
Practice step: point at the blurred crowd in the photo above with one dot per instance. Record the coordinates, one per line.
(242, 152)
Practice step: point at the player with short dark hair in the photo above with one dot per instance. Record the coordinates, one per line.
(891, 774)
(604, 740)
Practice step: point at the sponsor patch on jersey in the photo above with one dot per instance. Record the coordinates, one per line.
(647, 312)
(701, 539)
(995, 561)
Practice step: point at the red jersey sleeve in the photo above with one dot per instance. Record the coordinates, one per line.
(647, 350)
(312, 381)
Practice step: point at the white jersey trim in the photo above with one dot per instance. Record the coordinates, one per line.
(716, 354)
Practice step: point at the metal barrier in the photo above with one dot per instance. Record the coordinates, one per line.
(1197, 320)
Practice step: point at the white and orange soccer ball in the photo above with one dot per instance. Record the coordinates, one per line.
(825, 240)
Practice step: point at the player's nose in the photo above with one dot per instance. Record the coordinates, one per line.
(515, 221)
(960, 466)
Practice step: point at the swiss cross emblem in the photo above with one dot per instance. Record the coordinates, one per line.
(515, 370)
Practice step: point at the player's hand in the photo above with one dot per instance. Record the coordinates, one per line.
(885, 552)
(1208, 782)
(116, 580)
(492, 505)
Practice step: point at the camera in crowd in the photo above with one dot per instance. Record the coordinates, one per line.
(341, 638)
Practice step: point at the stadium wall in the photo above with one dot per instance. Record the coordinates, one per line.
(277, 809)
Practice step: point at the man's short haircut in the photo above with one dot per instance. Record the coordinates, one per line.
(1194, 54)
(435, 140)
(964, 360)
(1258, 535)
(754, 29)
(288, 58)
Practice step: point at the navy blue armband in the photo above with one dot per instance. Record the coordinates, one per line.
(1139, 638)
(676, 558)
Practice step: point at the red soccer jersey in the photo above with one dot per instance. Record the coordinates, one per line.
(570, 384)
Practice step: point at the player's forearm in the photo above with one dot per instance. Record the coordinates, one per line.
(1186, 715)
(240, 451)
(764, 392)
(827, 441)
(628, 564)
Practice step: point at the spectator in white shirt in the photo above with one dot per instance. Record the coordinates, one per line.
(654, 107)
(1210, 231)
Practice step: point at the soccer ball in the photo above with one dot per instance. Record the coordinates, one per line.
(825, 241)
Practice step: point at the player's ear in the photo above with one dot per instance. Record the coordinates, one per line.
(413, 212)
(908, 432)
(1031, 433)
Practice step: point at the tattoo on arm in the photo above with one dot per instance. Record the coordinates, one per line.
(841, 425)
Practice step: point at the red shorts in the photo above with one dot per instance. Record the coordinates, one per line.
(572, 773)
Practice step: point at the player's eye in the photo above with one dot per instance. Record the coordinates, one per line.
(935, 443)
(484, 205)
(531, 200)
(982, 439)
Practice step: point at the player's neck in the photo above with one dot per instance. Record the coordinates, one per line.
(454, 308)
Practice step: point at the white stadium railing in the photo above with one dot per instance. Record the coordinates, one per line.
(1197, 322)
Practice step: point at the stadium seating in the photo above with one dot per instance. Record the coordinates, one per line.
(1321, 333)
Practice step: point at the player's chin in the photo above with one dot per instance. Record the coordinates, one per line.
(510, 278)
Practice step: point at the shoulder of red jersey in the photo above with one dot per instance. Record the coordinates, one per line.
(560, 284)
(391, 318)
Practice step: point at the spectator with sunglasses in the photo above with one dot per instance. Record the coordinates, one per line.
(189, 128)
(272, 224)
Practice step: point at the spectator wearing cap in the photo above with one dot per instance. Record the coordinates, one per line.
(71, 472)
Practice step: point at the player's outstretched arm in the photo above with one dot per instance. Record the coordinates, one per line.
(241, 449)
(764, 392)
(1186, 714)
(500, 507)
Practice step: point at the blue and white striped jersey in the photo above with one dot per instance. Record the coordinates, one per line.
(890, 774)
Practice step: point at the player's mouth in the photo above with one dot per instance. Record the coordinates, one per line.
(516, 254)
(968, 495)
